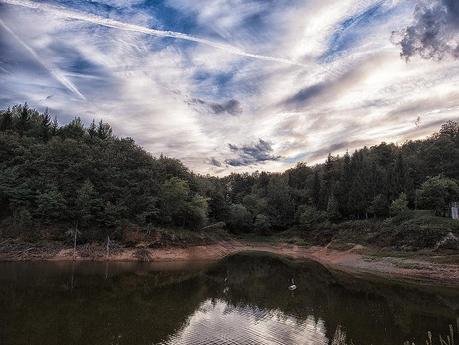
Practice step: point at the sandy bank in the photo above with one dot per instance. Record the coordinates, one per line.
(355, 260)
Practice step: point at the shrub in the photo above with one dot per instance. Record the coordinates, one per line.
(262, 224)
(436, 194)
(309, 217)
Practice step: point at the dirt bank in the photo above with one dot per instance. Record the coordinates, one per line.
(357, 260)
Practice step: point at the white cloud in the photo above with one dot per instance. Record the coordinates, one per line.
(148, 85)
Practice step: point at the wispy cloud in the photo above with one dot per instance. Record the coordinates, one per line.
(87, 17)
(54, 71)
(190, 86)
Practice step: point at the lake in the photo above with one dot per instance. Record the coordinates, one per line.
(242, 299)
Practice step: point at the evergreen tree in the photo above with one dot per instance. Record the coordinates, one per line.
(54, 127)
(104, 131)
(51, 205)
(379, 206)
(333, 208)
(75, 129)
(316, 189)
(399, 207)
(43, 166)
(6, 120)
(92, 130)
(45, 125)
(22, 124)
(87, 203)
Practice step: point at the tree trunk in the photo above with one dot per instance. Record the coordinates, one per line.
(108, 247)
(74, 240)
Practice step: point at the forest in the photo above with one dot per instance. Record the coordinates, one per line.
(57, 177)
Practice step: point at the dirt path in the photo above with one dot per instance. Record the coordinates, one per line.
(355, 261)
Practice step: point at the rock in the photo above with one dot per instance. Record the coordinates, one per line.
(450, 241)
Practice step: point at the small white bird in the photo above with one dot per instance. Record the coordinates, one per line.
(293, 286)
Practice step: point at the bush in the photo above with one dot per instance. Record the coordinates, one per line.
(437, 193)
(422, 231)
(399, 206)
(358, 231)
(310, 218)
(262, 224)
(239, 219)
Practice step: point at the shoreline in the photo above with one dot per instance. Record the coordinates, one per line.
(356, 261)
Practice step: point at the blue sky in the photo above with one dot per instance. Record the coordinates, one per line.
(228, 85)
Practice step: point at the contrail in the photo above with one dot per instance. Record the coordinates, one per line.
(52, 70)
(87, 17)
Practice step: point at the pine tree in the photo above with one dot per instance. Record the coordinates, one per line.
(316, 189)
(87, 203)
(6, 120)
(329, 178)
(333, 208)
(54, 127)
(104, 131)
(399, 175)
(345, 185)
(45, 125)
(23, 122)
(92, 131)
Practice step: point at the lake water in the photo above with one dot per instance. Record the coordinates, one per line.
(243, 299)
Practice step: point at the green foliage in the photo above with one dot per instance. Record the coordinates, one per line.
(422, 230)
(262, 224)
(51, 205)
(399, 206)
(333, 208)
(23, 219)
(309, 217)
(379, 206)
(60, 175)
(57, 175)
(173, 195)
(196, 212)
(75, 129)
(437, 193)
(87, 203)
(239, 219)
(180, 207)
(104, 131)
(281, 208)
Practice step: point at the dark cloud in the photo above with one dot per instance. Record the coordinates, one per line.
(215, 162)
(252, 154)
(434, 33)
(232, 107)
(307, 94)
(332, 87)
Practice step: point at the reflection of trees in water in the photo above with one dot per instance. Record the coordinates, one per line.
(105, 306)
(369, 312)
(124, 309)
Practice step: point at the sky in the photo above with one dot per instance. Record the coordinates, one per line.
(237, 85)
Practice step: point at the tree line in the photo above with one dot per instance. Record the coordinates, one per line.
(53, 176)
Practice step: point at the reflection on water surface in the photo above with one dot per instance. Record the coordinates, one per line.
(243, 299)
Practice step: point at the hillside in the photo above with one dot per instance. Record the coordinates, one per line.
(58, 178)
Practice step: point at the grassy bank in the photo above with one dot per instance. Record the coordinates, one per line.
(420, 233)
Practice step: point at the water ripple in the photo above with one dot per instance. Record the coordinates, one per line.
(216, 322)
